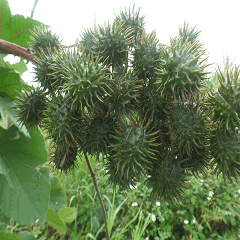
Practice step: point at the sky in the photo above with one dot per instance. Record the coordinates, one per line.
(218, 21)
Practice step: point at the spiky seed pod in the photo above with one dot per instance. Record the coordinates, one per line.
(188, 34)
(112, 43)
(63, 125)
(151, 103)
(87, 40)
(132, 154)
(125, 91)
(181, 70)
(225, 150)
(225, 103)
(30, 107)
(86, 82)
(189, 130)
(167, 178)
(98, 131)
(224, 112)
(146, 55)
(43, 70)
(64, 157)
(43, 39)
(119, 177)
(132, 19)
(62, 59)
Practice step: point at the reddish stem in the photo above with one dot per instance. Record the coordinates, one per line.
(15, 49)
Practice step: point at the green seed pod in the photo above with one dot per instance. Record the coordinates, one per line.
(125, 91)
(225, 150)
(132, 154)
(65, 58)
(151, 103)
(132, 19)
(98, 131)
(30, 107)
(64, 158)
(188, 34)
(167, 179)
(224, 113)
(146, 55)
(43, 70)
(87, 40)
(86, 82)
(63, 125)
(112, 43)
(43, 40)
(181, 70)
(189, 130)
(225, 103)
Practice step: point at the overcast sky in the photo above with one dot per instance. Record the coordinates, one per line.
(219, 20)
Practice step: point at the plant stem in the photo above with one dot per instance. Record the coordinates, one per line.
(99, 195)
(33, 9)
(11, 48)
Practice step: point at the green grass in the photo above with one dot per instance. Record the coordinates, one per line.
(210, 210)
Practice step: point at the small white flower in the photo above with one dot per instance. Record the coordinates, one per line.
(208, 198)
(158, 203)
(147, 238)
(210, 193)
(193, 221)
(201, 180)
(37, 220)
(153, 218)
(186, 221)
(134, 204)
(131, 186)
(239, 191)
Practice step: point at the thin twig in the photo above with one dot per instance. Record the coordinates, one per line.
(33, 9)
(98, 193)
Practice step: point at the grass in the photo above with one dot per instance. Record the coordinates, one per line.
(210, 210)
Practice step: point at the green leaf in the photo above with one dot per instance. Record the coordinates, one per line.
(16, 28)
(20, 67)
(5, 16)
(68, 214)
(4, 169)
(3, 221)
(9, 236)
(57, 196)
(55, 221)
(27, 200)
(10, 81)
(6, 105)
(20, 29)
(25, 235)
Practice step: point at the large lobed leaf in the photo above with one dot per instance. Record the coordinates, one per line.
(25, 189)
